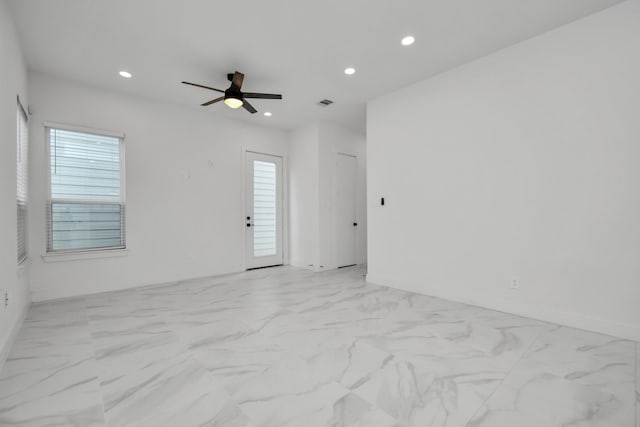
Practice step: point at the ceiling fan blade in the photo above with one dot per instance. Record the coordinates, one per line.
(261, 95)
(203, 86)
(213, 101)
(248, 107)
(237, 80)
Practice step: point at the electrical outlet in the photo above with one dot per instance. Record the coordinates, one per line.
(514, 285)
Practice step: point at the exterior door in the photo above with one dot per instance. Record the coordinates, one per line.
(346, 221)
(263, 220)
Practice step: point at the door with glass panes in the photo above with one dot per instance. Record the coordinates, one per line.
(263, 212)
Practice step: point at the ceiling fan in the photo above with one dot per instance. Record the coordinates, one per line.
(233, 96)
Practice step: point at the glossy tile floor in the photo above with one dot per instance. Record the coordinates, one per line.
(287, 347)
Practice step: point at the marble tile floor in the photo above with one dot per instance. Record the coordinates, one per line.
(288, 347)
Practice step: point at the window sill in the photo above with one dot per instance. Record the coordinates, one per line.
(76, 256)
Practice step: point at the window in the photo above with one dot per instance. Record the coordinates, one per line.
(86, 208)
(22, 163)
(264, 208)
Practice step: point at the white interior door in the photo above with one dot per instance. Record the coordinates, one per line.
(346, 221)
(263, 210)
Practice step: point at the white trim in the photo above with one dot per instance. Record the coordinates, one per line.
(534, 311)
(49, 294)
(243, 192)
(285, 209)
(74, 128)
(88, 201)
(87, 254)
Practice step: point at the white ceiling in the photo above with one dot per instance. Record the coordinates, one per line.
(295, 47)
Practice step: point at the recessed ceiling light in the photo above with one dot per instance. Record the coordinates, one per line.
(126, 74)
(408, 41)
(268, 114)
(349, 71)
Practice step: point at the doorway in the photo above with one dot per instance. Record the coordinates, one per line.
(346, 221)
(264, 225)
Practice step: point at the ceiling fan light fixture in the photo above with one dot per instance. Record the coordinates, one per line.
(232, 102)
(232, 98)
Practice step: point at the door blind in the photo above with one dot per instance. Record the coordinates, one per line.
(264, 208)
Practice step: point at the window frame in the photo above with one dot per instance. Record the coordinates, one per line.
(123, 200)
(22, 168)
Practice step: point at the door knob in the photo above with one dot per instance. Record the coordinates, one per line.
(248, 224)
(355, 224)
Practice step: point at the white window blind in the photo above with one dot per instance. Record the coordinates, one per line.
(264, 208)
(22, 184)
(86, 209)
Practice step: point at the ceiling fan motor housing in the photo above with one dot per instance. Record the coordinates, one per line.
(232, 93)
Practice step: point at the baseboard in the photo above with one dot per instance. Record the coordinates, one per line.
(533, 311)
(46, 294)
(305, 265)
(13, 334)
(297, 263)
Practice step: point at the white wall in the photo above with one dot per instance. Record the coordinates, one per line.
(13, 279)
(185, 218)
(304, 196)
(313, 151)
(524, 164)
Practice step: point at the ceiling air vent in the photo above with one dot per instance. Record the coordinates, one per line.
(325, 102)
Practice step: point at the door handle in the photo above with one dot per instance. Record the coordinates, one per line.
(248, 224)
(355, 224)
